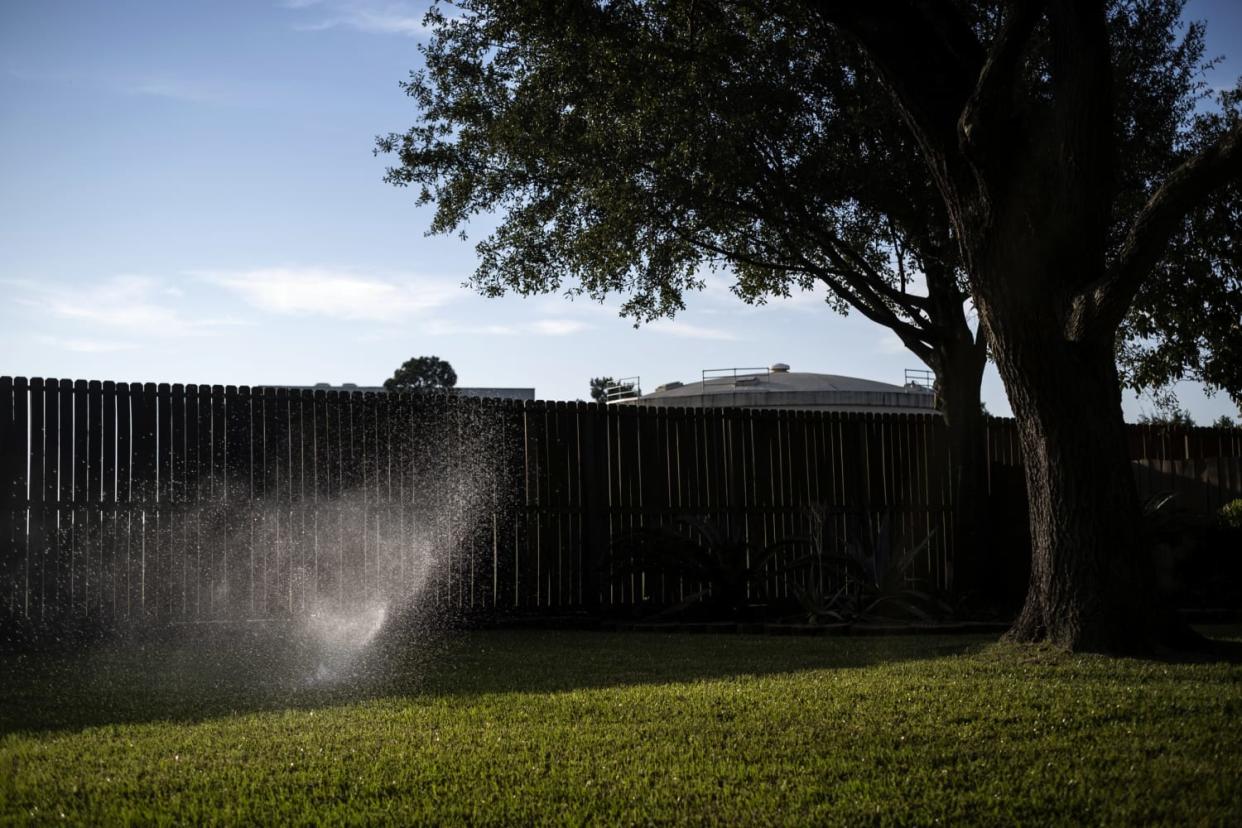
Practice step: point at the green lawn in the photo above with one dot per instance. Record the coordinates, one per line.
(580, 727)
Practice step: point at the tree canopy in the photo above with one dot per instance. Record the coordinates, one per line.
(424, 373)
(1187, 318)
(627, 148)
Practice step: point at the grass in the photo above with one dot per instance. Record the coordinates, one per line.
(560, 727)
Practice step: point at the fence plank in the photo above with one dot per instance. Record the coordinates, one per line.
(16, 458)
(188, 494)
(236, 493)
(141, 478)
(52, 606)
(625, 467)
(36, 515)
(200, 486)
(509, 495)
(272, 491)
(532, 568)
(567, 586)
(99, 584)
(107, 513)
(122, 521)
(82, 569)
(337, 437)
(301, 494)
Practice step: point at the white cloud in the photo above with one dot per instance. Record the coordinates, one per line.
(136, 305)
(85, 346)
(558, 327)
(340, 294)
(541, 327)
(176, 90)
(687, 331)
(367, 16)
(155, 86)
(447, 327)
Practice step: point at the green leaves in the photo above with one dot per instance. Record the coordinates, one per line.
(877, 577)
(630, 147)
(425, 373)
(725, 568)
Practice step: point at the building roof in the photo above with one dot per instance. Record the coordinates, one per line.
(781, 388)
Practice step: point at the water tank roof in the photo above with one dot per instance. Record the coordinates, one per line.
(777, 381)
(795, 389)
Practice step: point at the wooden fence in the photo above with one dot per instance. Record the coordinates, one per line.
(1202, 467)
(135, 503)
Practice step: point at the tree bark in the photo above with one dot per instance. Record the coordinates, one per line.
(958, 378)
(1091, 582)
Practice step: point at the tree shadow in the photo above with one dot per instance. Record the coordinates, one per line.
(1207, 650)
(229, 672)
(197, 677)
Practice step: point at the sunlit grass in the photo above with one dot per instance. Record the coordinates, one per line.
(558, 727)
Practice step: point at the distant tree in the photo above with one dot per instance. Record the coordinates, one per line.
(599, 388)
(425, 373)
(1224, 421)
(1175, 417)
(1166, 409)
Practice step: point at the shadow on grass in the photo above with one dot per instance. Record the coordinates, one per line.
(199, 676)
(1222, 645)
(208, 674)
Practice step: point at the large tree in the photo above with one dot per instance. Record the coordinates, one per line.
(630, 144)
(1019, 133)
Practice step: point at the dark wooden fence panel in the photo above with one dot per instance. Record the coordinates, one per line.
(13, 491)
(134, 503)
(48, 533)
(35, 552)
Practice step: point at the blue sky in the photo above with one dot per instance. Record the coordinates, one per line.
(188, 194)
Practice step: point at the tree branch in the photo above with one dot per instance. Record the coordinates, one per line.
(733, 255)
(866, 280)
(843, 281)
(992, 95)
(930, 60)
(899, 252)
(913, 338)
(1082, 118)
(1101, 307)
(862, 281)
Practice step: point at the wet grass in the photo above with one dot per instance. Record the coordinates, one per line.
(555, 727)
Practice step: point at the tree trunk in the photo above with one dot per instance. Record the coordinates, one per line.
(957, 384)
(1091, 575)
